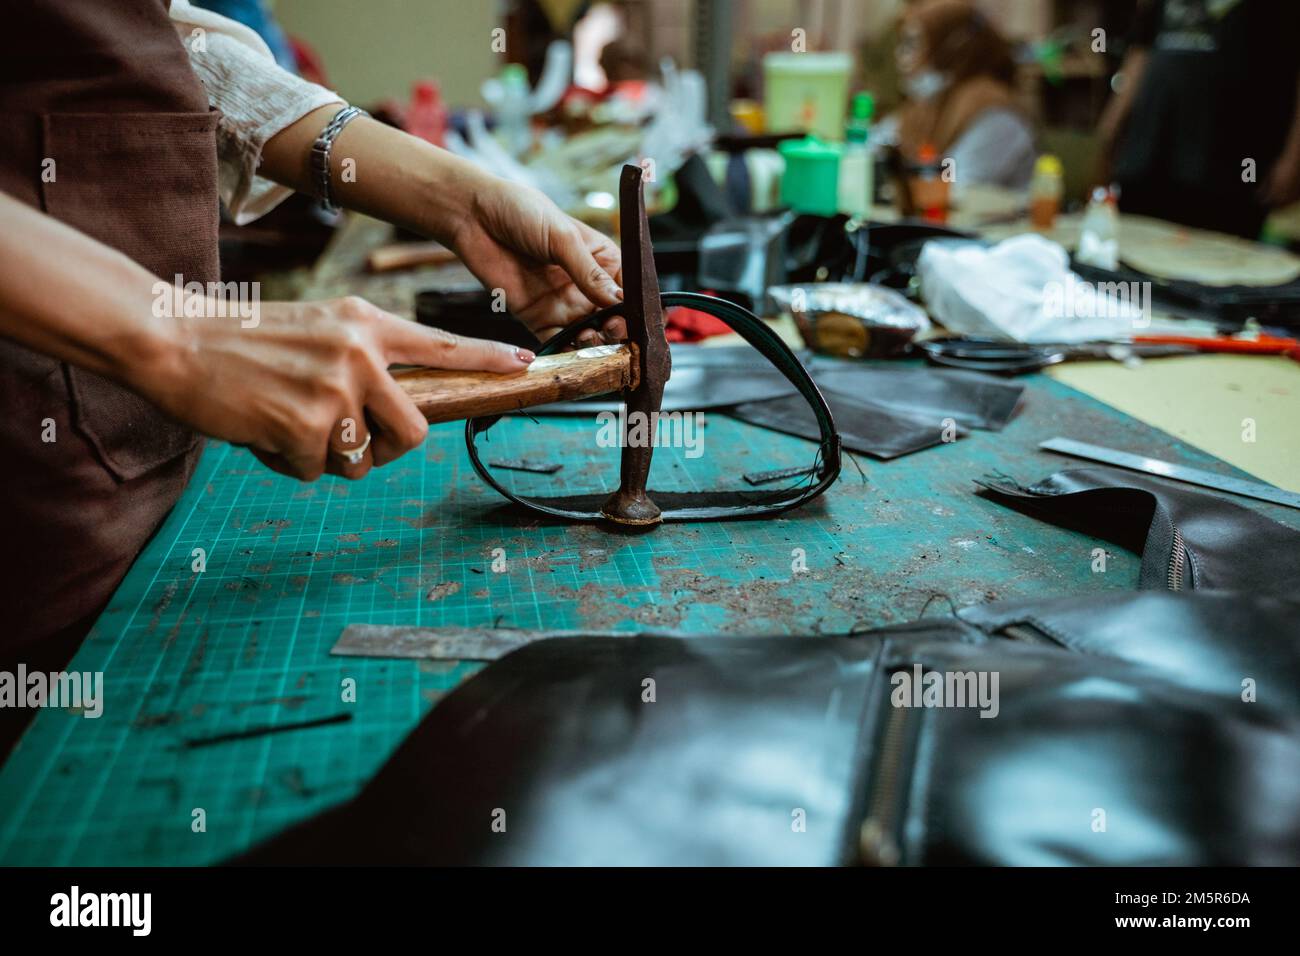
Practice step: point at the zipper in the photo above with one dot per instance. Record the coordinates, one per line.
(1177, 562)
(877, 837)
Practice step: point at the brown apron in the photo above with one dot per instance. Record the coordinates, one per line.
(105, 91)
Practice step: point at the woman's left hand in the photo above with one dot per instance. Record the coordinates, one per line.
(553, 269)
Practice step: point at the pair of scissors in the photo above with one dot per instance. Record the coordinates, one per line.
(1004, 357)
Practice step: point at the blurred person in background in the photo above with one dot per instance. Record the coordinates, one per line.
(1205, 129)
(958, 77)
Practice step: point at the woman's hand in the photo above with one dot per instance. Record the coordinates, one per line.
(553, 269)
(308, 387)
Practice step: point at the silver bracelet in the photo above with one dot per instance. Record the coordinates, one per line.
(320, 152)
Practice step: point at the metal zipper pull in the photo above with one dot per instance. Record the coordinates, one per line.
(1177, 562)
(877, 844)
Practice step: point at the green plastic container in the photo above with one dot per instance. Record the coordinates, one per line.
(812, 174)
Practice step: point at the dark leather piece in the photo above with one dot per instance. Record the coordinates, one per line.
(886, 412)
(700, 205)
(1211, 641)
(971, 399)
(719, 377)
(1229, 546)
(1081, 743)
(740, 732)
(863, 426)
(703, 379)
(780, 750)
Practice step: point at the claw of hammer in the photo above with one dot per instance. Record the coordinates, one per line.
(630, 505)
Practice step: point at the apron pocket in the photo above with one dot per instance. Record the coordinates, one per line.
(145, 184)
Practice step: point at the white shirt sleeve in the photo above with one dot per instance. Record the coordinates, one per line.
(256, 97)
(997, 148)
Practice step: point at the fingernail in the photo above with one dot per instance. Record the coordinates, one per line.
(525, 356)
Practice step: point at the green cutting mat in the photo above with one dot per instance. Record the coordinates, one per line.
(245, 644)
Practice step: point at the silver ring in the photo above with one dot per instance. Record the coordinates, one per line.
(355, 456)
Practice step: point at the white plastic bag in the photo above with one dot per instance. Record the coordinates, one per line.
(1023, 289)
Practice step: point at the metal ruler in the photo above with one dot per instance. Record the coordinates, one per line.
(1166, 469)
(452, 643)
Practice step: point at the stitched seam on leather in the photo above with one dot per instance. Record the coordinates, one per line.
(1055, 633)
(1193, 562)
(919, 791)
(865, 751)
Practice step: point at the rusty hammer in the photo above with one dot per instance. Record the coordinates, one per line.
(638, 368)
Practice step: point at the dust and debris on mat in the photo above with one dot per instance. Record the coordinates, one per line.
(526, 464)
(440, 591)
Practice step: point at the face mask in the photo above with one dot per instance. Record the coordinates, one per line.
(925, 84)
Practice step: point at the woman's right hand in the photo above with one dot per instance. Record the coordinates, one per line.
(309, 382)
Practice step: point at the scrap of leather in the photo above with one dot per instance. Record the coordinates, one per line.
(890, 412)
(741, 733)
(879, 411)
(1210, 643)
(1229, 546)
(863, 426)
(721, 376)
(703, 379)
(972, 399)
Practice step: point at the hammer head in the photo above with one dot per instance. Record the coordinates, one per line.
(645, 330)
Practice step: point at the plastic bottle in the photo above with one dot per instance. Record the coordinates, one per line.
(426, 117)
(513, 112)
(1045, 192)
(856, 190)
(929, 188)
(1099, 234)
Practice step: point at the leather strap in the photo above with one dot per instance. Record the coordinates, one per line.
(706, 505)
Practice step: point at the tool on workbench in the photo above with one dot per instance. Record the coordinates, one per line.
(649, 366)
(1004, 357)
(1244, 345)
(457, 643)
(1166, 469)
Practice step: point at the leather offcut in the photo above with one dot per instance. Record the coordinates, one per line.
(795, 751)
(1229, 546)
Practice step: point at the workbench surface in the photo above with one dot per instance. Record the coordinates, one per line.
(194, 659)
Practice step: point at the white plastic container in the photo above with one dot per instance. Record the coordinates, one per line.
(1099, 234)
(806, 91)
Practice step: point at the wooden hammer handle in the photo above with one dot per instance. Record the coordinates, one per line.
(446, 395)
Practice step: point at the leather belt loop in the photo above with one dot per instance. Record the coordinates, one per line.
(750, 504)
